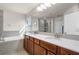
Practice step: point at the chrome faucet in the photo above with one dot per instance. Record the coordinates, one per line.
(58, 35)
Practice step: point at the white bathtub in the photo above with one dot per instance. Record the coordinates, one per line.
(10, 45)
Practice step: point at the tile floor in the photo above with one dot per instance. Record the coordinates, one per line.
(21, 52)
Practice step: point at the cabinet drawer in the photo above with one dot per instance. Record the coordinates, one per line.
(48, 46)
(39, 50)
(68, 52)
(36, 41)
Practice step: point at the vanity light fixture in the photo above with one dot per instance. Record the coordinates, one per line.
(44, 6)
(48, 4)
(53, 3)
(39, 9)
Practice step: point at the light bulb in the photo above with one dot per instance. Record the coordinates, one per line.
(39, 9)
(53, 3)
(43, 6)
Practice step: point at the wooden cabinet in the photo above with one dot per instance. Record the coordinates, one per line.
(48, 46)
(65, 51)
(25, 45)
(25, 42)
(50, 53)
(31, 38)
(36, 41)
(35, 46)
(28, 45)
(38, 50)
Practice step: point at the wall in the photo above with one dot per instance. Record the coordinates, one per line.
(71, 23)
(12, 23)
(71, 20)
(71, 28)
(74, 8)
(1, 22)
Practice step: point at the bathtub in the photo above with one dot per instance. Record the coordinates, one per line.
(10, 45)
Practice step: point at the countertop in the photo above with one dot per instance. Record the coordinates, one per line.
(62, 42)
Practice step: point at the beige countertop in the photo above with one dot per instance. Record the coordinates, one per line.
(63, 42)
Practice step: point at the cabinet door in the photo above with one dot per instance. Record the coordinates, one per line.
(68, 52)
(36, 41)
(28, 45)
(50, 53)
(48, 46)
(31, 47)
(25, 43)
(39, 50)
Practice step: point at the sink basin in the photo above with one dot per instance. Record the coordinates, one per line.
(50, 37)
(41, 35)
(53, 38)
(47, 37)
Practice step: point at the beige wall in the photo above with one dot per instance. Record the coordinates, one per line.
(13, 21)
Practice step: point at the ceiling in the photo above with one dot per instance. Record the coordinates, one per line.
(30, 9)
(56, 10)
(22, 8)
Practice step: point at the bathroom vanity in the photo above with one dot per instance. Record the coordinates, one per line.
(36, 44)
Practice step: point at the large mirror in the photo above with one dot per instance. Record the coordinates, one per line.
(64, 21)
(66, 24)
(52, 25)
